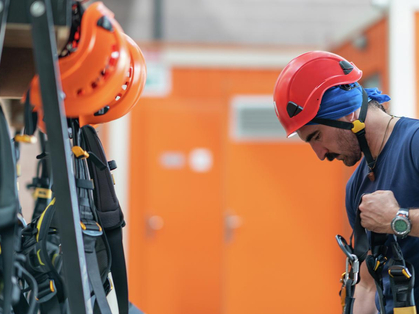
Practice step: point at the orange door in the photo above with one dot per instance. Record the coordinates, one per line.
(176, 220)
(286, 208)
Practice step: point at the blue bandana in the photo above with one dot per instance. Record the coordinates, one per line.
(338, 102)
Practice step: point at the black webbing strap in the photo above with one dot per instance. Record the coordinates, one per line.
(52, 306)
(361, 243)
(9, 207)
(349, 297)
(118, 269)
(109, 212)
(402, 281)
(91, 229)
(360, 249)
(94, 274)
(357, 128)
(42, 182)
(30, 117)
(375, 265)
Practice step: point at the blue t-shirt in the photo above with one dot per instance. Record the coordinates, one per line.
(397, 169)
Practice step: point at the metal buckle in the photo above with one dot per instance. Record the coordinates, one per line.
(92, 229)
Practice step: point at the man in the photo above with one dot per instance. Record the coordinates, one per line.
(317, 96)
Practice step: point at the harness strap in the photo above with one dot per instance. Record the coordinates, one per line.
(402, 280)
(52, 306)
(9, 207)
(349, 297)
(357, 127)
(91, 229)
(109, 212)
(42, 182)
(94, 274)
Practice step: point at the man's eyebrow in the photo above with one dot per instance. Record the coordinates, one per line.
(311, 135)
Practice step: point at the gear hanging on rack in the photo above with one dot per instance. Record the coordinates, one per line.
(94, 72)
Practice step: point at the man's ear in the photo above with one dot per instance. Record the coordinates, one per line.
(351, 117)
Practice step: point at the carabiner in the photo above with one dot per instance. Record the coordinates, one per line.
(346, 248)
(354, 269)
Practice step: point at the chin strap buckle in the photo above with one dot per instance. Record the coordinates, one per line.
(358, 126)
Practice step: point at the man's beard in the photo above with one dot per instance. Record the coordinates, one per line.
(351, 151)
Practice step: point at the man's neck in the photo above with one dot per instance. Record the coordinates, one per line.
(378, 128)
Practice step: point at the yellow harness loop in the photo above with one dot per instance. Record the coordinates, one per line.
(24, 138)
(405, 310)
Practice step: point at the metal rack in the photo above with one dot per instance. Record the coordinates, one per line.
(33, 28)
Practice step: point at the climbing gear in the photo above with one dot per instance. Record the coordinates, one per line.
(92, 74)
(301, 85)
(401, 272)
(350, 277)
(42, 182)
(9, 209)
(108, 210)
(41, 244)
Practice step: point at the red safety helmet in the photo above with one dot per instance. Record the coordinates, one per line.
(300, 86)
(93, 74)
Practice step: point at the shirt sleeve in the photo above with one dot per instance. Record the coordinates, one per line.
(349, 202)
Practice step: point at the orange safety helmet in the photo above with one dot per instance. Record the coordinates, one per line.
(300, 86)
(93, 74)
(129, 93)
(125, 99)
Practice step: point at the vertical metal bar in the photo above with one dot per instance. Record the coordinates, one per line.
(4, 9)
(158, 19)
(45, 54)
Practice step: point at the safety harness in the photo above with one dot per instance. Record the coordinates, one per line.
(108, 210)
(41, 239)
(9, 208)
(402, 275)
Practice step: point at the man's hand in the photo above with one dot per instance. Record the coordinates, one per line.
(378, 210)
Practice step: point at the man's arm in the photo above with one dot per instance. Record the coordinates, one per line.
(378, 210)
(365, 293)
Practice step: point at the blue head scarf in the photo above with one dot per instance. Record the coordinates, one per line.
(338, 102)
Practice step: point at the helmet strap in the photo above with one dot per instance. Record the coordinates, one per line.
(358, 128)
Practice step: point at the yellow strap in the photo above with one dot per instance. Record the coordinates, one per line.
(405, 310)
(39, 257)
(38, 225)
(42, 193)
(24, 138)
(18, 170)
(358, 126)
(80, 152)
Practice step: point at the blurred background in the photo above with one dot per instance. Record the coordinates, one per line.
(224, 214)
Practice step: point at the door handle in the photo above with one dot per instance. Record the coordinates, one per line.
(231, 223)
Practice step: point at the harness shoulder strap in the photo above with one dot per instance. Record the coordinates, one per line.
(109, 212)
(9, 207)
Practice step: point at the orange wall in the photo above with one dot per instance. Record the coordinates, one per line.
(290, 205)
(374, 58)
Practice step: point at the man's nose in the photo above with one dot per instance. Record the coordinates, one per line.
(320, 150)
